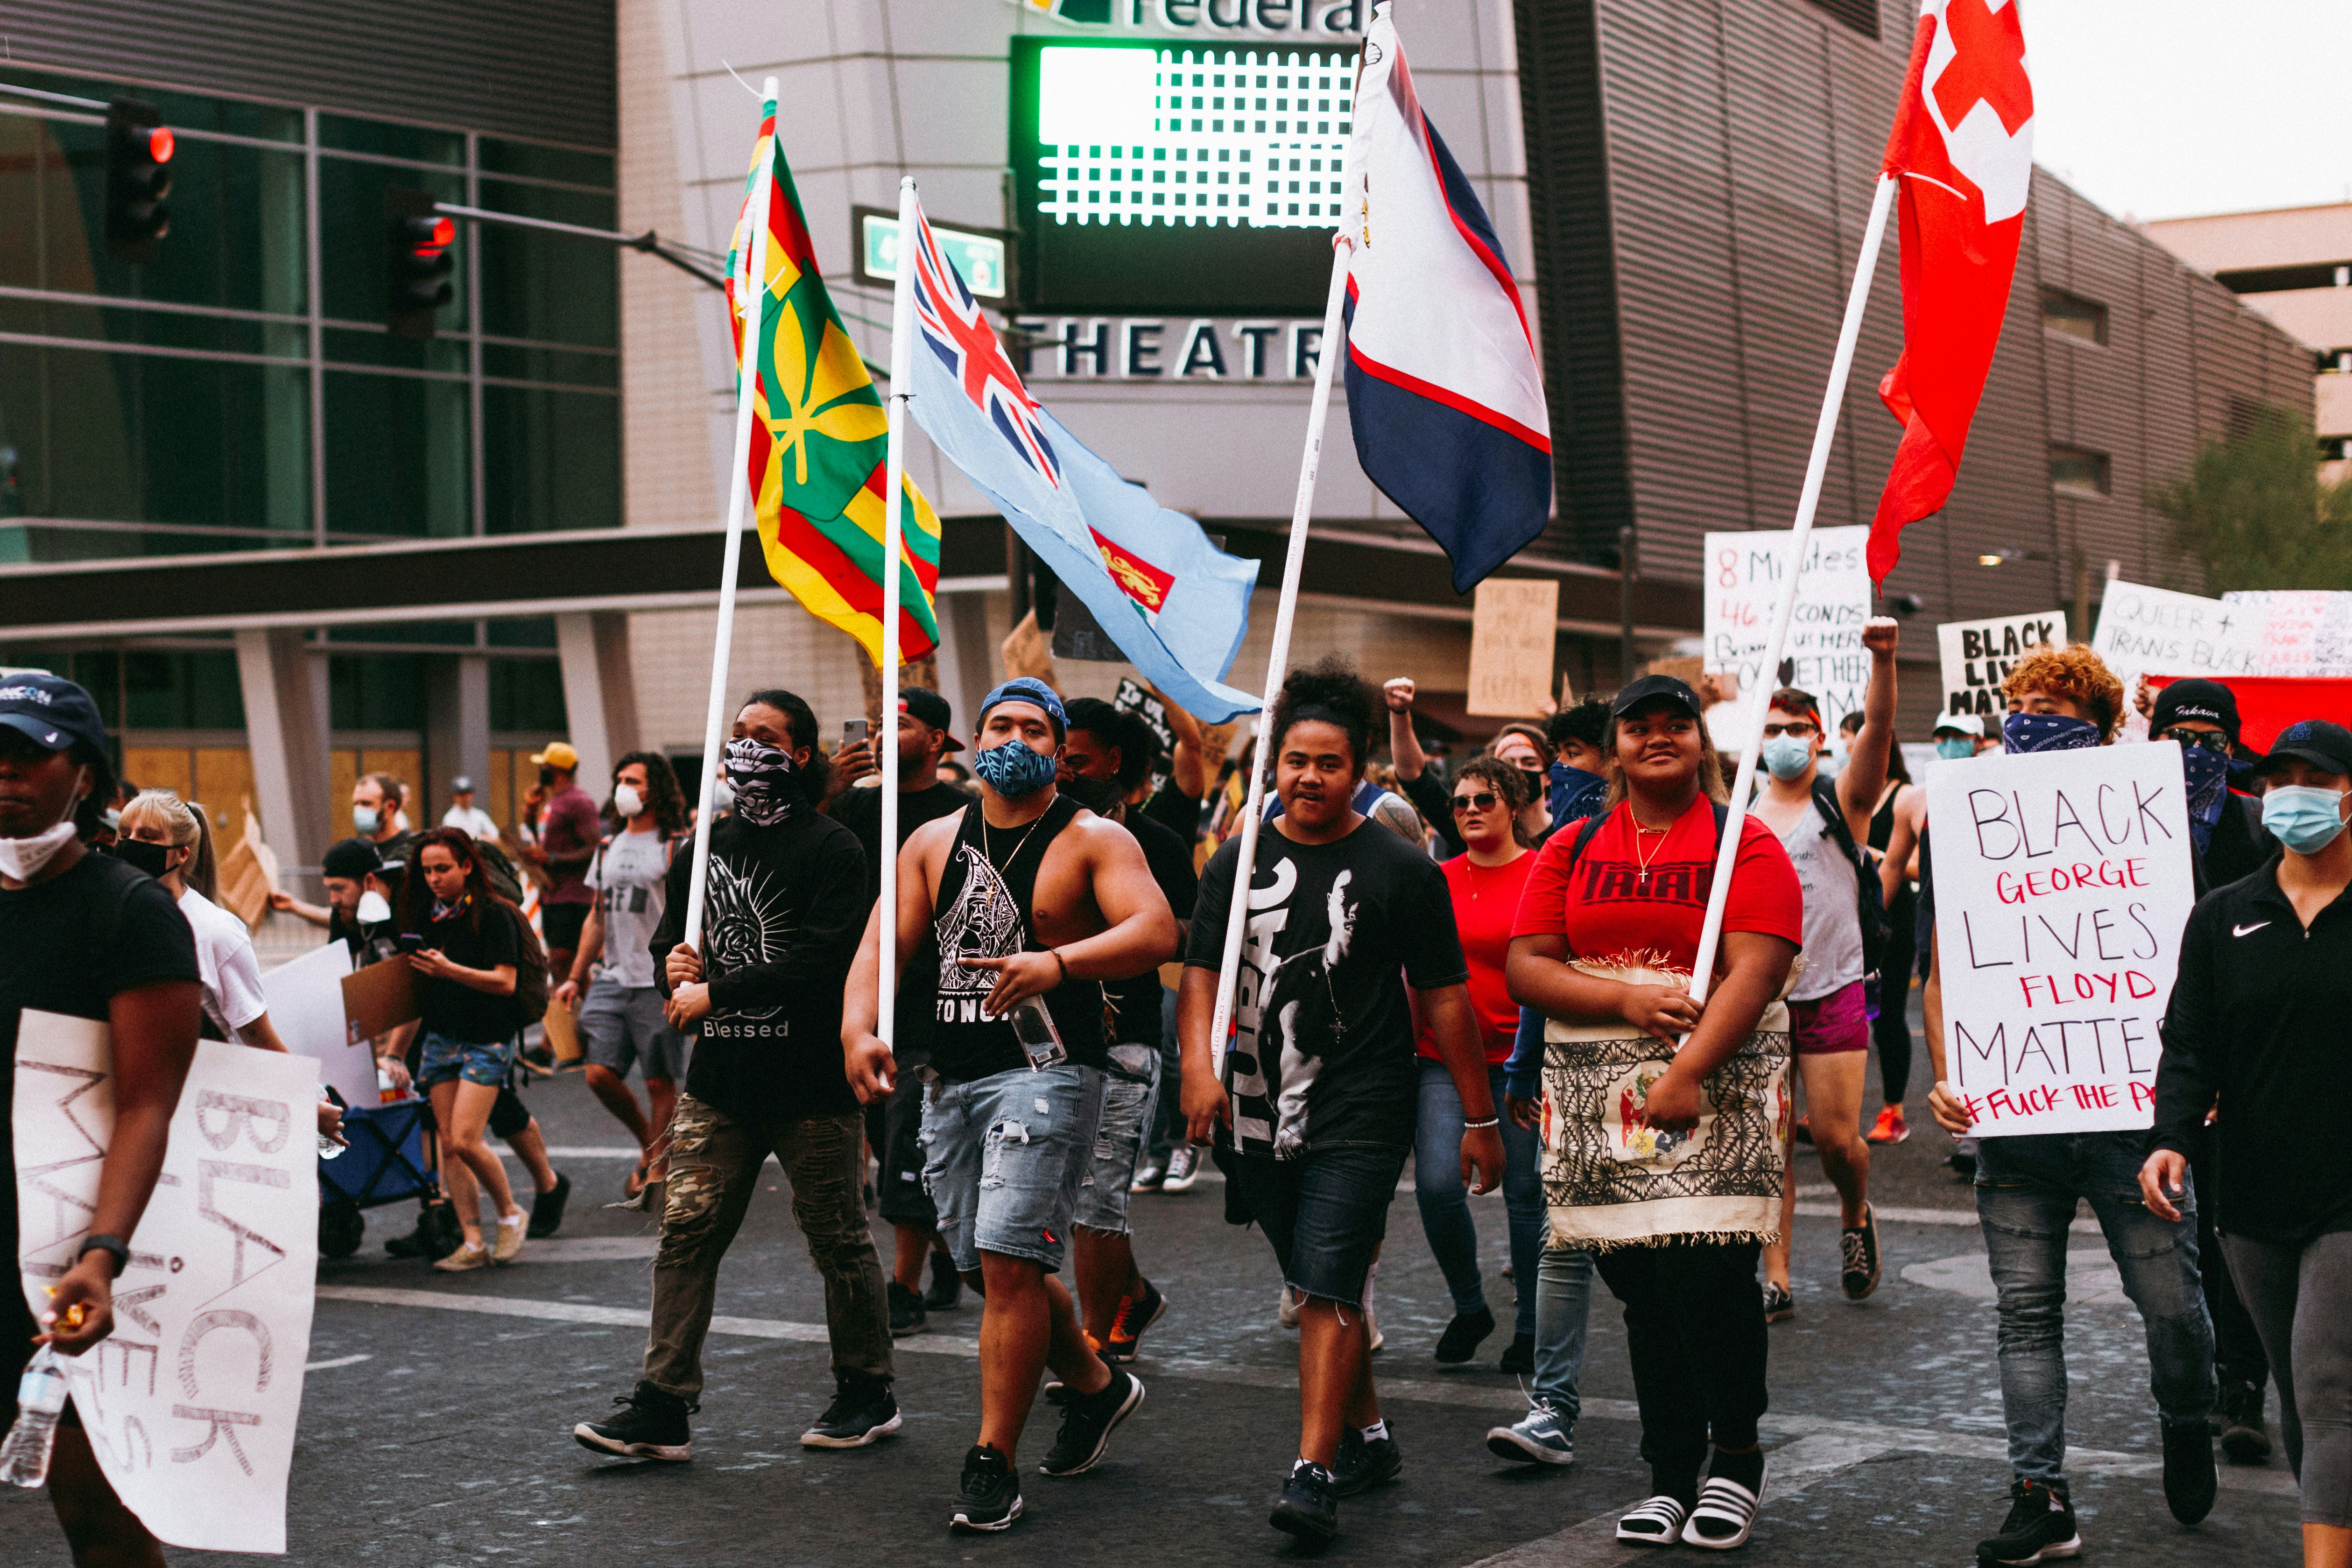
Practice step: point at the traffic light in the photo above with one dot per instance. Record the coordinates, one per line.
(138, 178)
(417, 262)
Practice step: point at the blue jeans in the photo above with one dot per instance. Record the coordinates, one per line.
(1004, 1156)
(1130, 1101)
(1445, 1202)
(1166, 1126)
(2027, 1188)
(1564, 1300)
(1323, 1214)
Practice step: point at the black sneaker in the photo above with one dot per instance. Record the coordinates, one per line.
(2238, 1413)
(547, 1208)
(1464, 1335)
(947, 1286)
(1779, 1305)
(2040, 1527)
(651, 1424)
(863, 1411)
(1859, 1250)
(1088, 1422)
(989, 1495)
(1308, 1507)
(1362, 1465)
(905, 1312)
(1134, 1315)
(435, 1237)
(1521, 1357)
(2188, 1480)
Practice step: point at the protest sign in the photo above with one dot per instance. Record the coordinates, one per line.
(1978, 655)
(2155, 631)
(191, 1402)
(1825, 653)
(378, 1000)
(1513, 628)
(306, 1007)
(2306, 632)
(1133, 696)
(2062, 883)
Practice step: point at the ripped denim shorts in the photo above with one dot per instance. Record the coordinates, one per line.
(1004, 1158)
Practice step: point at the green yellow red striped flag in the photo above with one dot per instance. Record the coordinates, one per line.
(819, 438)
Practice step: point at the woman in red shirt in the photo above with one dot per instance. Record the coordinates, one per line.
(1484, 884)
(1676, 1223)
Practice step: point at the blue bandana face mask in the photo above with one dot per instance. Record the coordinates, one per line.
(2207, 774)
(1012, 769)
(2304, 817)
(2023, 732)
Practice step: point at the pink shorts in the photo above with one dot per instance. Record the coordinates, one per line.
(1830, 1024)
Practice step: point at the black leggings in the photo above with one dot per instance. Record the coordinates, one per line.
(2237, 1355)
(1891, 1030)
(1695, 1333)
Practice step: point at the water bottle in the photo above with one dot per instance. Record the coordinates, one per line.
(40, 1399)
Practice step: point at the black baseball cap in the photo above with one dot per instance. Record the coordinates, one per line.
(2327, 746)
(2209, 700)
(351, 859)
(920, 702)
(50, 711)
(1650, 688)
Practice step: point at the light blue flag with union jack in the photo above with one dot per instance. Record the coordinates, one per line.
(1176, 605)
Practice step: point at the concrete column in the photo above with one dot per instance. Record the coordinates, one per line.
(599, 692)
(286, 731)
(456, 732)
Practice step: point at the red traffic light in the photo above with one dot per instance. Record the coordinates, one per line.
(159, 144)
(444, 232)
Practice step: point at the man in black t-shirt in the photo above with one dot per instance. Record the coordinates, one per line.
(893, 1126)
(783, 903)
(89, 936)
(1315, 1097)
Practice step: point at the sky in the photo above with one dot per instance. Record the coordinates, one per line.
(2166, 108)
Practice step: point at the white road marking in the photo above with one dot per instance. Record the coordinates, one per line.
(2092, 1278)
(1889, 1214)
(339, 1361)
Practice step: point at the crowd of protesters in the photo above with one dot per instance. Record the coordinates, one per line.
(1482, 965)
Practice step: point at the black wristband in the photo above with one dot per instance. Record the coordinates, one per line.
(114, 1246)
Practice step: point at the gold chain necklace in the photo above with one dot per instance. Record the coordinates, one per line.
(1642, 879)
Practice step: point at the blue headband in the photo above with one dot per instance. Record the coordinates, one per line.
(1028, 689)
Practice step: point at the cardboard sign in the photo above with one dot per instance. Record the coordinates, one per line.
(2062, 883)
(1978, 655)
(2306, 634)
(2155, 631)
(378, 1000)
(1513, 629)
(306, 1008)
(191, 1404)
(1824, 652)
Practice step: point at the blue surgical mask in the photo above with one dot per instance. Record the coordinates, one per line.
(2022, 732)
(1014, 769)
(1955, 748)
(364, 819)
(1787, 756)
(2305, 819)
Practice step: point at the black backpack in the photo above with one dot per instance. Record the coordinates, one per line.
(1869, 896)
(530, 967)
(1592, 825)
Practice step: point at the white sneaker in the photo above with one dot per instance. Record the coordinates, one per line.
(1183, 1169)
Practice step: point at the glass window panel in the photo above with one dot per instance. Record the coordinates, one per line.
(386, 139)
(527, 694)
(550, 288)
(437, 633)
(396, 456)
(353, 346)
(375, 691)
(155, 438)
(529, 634)
(159, 328)
(521, 364)
(499, 157)
(551, 460)
(351, 237)
(236, 239)
(176, 689)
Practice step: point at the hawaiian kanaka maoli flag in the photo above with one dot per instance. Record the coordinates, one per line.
(1176, 605)
(1962, 156)
(820, 438)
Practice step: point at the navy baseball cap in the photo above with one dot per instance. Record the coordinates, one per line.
(2327, 746)
(50, 711)
(1651, 687)
(1028, 689)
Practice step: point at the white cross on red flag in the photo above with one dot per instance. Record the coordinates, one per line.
(1962, 155)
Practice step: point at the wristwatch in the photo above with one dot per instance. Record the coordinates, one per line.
(114, 1245)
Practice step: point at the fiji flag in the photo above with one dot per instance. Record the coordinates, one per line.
(1443, 386)
(1176, 605)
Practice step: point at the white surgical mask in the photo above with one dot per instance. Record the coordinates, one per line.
(628, 801)
(21, 859)
(364, 819)
(373, 909)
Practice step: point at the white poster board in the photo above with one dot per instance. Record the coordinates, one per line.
(1978, 654)
(1744, 572)
(191, 1402)
(2306, 632)
(306, 1008)
(2063, 884)
(2155, 631)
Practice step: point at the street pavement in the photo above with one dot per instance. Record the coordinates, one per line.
(438, 1409)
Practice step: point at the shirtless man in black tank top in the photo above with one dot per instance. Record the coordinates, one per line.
(1023, 897)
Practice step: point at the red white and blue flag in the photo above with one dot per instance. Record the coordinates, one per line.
(1176, 605)
(1444, 389)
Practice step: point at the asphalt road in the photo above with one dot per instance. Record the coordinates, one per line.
(435, 1426)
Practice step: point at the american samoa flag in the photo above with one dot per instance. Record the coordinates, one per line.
(950, 321)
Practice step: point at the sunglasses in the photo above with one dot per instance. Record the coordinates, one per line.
(1800, 729)
(1483, 801)
(2212, 740)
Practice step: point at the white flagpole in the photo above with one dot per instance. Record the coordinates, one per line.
(1277, 661)
(1751, 719)
(902, 372)
(754, 296)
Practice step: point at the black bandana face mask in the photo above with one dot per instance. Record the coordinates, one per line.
(1096, 795)
(765, 781)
